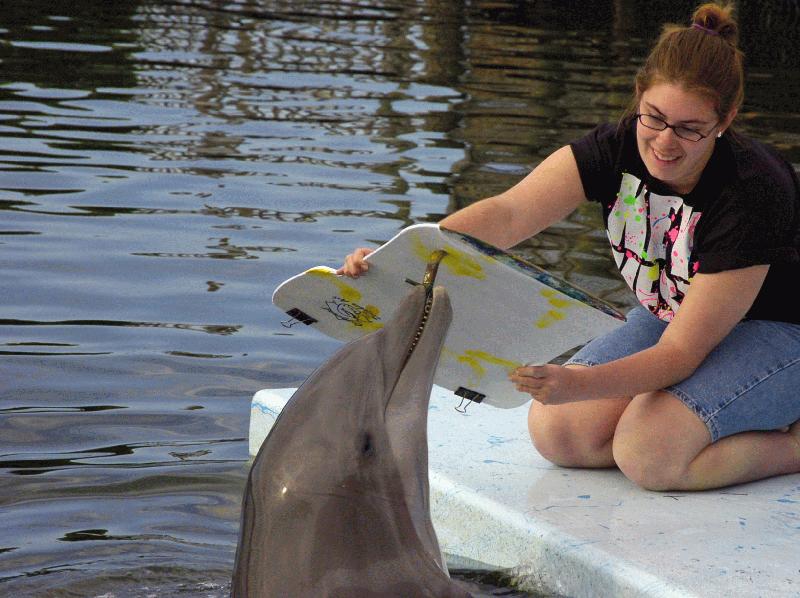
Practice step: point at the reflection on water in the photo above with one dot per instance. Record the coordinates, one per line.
(165, 164)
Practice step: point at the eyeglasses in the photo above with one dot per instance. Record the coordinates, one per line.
(658, 124)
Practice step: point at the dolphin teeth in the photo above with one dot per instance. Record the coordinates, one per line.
(426, 311)
(427, 281)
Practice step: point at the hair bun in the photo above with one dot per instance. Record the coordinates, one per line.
(717, 19)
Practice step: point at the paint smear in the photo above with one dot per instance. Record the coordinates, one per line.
(348, 309)
(478, 360)
(554, 299)
(461, 264)
(346, 292)
(367, 319)
(554, 315)
(550, 318)
(457, 262)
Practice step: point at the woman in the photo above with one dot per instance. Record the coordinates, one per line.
(701, 387)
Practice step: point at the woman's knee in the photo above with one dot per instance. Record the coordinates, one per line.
(656, 439)
(575, 434)
(645, 467)
(553, 437)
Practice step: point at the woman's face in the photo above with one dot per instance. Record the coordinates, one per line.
(674, 161)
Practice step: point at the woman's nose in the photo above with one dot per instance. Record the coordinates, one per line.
(667, 135)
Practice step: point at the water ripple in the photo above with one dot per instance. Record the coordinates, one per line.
(164, 165)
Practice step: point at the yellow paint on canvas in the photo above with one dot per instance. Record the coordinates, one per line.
(555, 299)
(550, 318)
(457, 262)
(346, 292)
(372, 325)
(561, 304)
(422, 251)
(364, 320)
(477, 361)
(461, 264)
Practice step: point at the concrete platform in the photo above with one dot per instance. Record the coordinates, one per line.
(497, 503)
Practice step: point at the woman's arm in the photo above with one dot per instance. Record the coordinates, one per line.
(548, 194)
(713, 305)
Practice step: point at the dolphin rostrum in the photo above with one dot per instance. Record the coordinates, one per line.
(337, 501)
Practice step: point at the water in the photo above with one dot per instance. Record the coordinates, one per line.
(164, 165)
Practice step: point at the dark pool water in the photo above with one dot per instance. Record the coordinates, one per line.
(164, 165)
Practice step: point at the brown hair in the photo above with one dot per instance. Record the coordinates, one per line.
(702, 57)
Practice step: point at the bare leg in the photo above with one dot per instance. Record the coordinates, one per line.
(662, 445)
(576, 434)
(745, 457)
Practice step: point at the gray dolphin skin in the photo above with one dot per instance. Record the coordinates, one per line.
(337, 502)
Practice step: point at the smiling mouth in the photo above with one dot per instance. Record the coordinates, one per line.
(664, 158)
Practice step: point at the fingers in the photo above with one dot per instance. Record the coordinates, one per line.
(354, 264)
(529, 371)
(548, 384)
(528, 378)
(539, 381)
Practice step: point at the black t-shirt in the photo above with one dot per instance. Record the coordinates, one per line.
(744, 211)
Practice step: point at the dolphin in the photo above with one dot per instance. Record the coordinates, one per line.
(337, 500)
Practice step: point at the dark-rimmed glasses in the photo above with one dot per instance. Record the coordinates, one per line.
(659, 124)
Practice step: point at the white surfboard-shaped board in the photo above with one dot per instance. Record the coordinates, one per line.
(506, 312)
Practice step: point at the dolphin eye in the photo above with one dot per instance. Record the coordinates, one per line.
(367, 448)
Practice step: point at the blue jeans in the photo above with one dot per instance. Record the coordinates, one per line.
(750, 381)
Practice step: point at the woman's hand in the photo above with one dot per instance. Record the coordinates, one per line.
(354, 264)
(547, 384)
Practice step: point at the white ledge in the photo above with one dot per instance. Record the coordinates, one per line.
(496, 502)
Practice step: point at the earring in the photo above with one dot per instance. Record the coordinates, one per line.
(719, 134)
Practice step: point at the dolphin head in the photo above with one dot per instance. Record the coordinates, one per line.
(337, 499)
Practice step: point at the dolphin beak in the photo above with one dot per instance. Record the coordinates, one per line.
(406, 412)
(420, 325)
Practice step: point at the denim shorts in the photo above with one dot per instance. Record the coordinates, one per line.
(750, 381)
